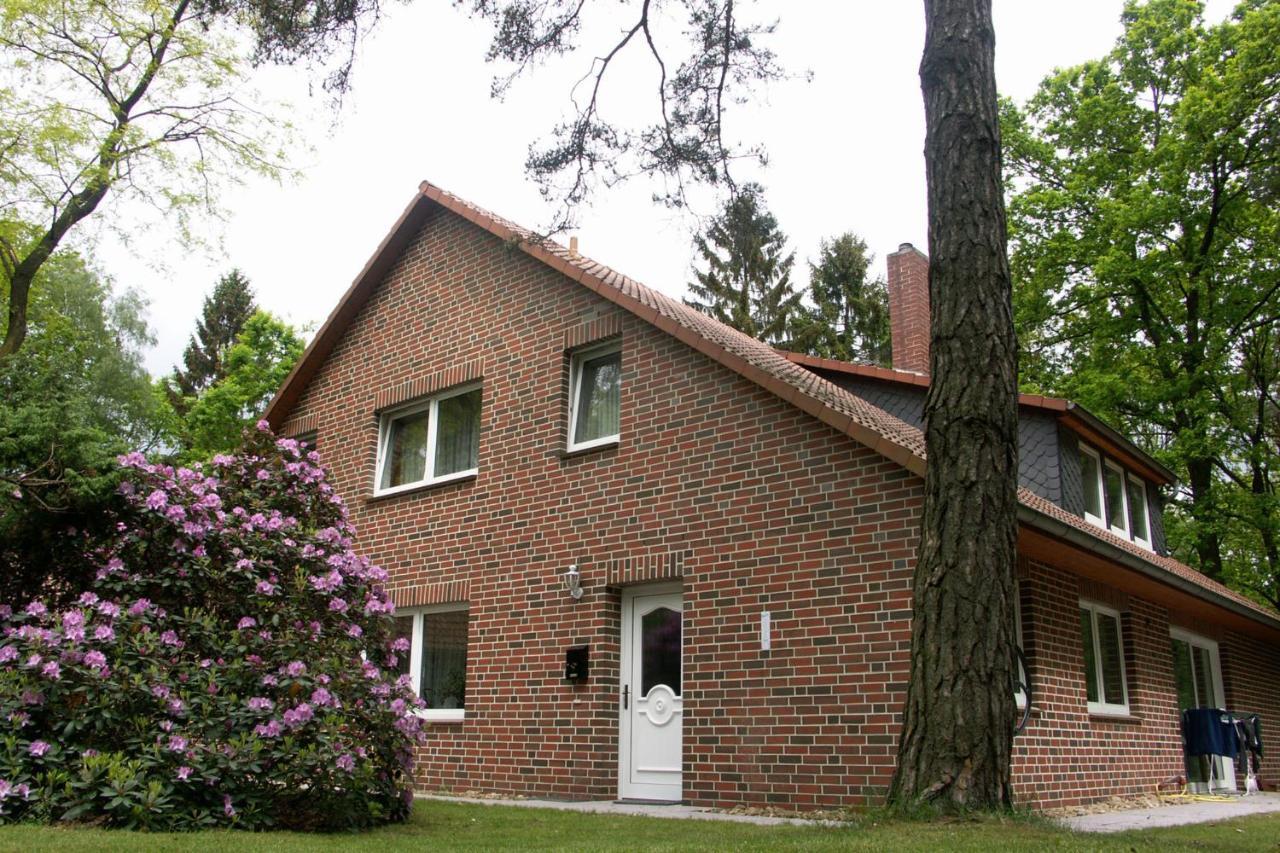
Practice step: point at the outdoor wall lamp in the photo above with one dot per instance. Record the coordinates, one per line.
(573, 581)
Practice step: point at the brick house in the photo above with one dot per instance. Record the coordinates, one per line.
(510, 421)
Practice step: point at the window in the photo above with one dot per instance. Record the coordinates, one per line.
(1091, 474)
(430, 442)
(1103, 659)
(437, 658)
(1117, 501)
(595, 378)
(1139, 522)
(1114, 499)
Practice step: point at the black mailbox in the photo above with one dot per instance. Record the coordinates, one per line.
(575, 663)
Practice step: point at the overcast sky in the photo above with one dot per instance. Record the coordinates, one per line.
(844, 151)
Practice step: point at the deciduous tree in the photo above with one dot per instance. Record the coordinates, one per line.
(143, 99)
(1147, 255)
(263, 354)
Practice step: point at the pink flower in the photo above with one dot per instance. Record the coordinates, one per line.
(37, 608)
(170, 638)
(268, 729)
(8, 653)
(260, 703)
(141, 606)
(345, 762)
(104, 633)
(95, 659)
(246, 622)
(295, 669)
(157, 500)
(38, 748)
(227, 808)
(177, 743)
(266, 588)
(184, 773)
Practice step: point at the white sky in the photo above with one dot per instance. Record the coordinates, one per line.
(844, 151)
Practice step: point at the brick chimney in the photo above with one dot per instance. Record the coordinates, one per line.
(908, 287)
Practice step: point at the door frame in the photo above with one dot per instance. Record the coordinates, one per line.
(626, 658)
(1225, 767)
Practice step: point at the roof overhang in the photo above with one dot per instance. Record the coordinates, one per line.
(1043, 538)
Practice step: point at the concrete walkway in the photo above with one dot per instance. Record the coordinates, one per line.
(1194, 811)
(674, 811)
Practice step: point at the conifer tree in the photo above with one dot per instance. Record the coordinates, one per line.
(225, 312)
(849, 319)
(747, 281)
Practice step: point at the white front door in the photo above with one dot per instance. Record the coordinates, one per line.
(1197, 674)
(651, 707)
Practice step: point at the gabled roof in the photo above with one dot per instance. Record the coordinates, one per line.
(744, 355)
(756, 361)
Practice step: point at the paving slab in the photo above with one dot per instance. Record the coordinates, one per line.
(1194, 811)
(661, 810)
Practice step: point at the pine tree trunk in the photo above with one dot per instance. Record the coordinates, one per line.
(959, 715)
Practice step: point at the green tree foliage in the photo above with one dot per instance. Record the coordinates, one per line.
(747, 281)
(225, 312)
(142, 99)
(849, 319)
(1147, 256)
(256, 366)
(74, 397)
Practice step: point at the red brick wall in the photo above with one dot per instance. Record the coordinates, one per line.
(755, 504)
(1251, 682)
(1066, 756)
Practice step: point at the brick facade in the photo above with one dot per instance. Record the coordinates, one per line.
(751, 503)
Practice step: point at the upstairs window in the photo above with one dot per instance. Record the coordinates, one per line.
(595, 378)
(1139, 521)
(430, 442)
(1091, 474)
(1103, 659)
(1114, 499)
(1117, 502)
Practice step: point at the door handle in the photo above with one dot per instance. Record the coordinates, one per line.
(626, 696)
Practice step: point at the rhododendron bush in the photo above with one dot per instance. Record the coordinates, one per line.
(230, 665)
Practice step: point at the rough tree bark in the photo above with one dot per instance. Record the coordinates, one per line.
(959, 715)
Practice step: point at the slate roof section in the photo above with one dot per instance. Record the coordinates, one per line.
(756, 361)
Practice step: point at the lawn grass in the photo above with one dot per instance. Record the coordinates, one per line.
(467, 826)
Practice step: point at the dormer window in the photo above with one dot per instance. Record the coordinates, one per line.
(1114, 499)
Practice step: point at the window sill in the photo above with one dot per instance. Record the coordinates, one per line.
(439, 715)
(1113, 717)
(586, 451)
(421, 487)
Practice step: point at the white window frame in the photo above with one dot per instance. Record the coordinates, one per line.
(384, 437)
(575, 388)
(439, 715)
(1097, 521)
(1122, 532)
(1146, 508)
(1102, 707)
